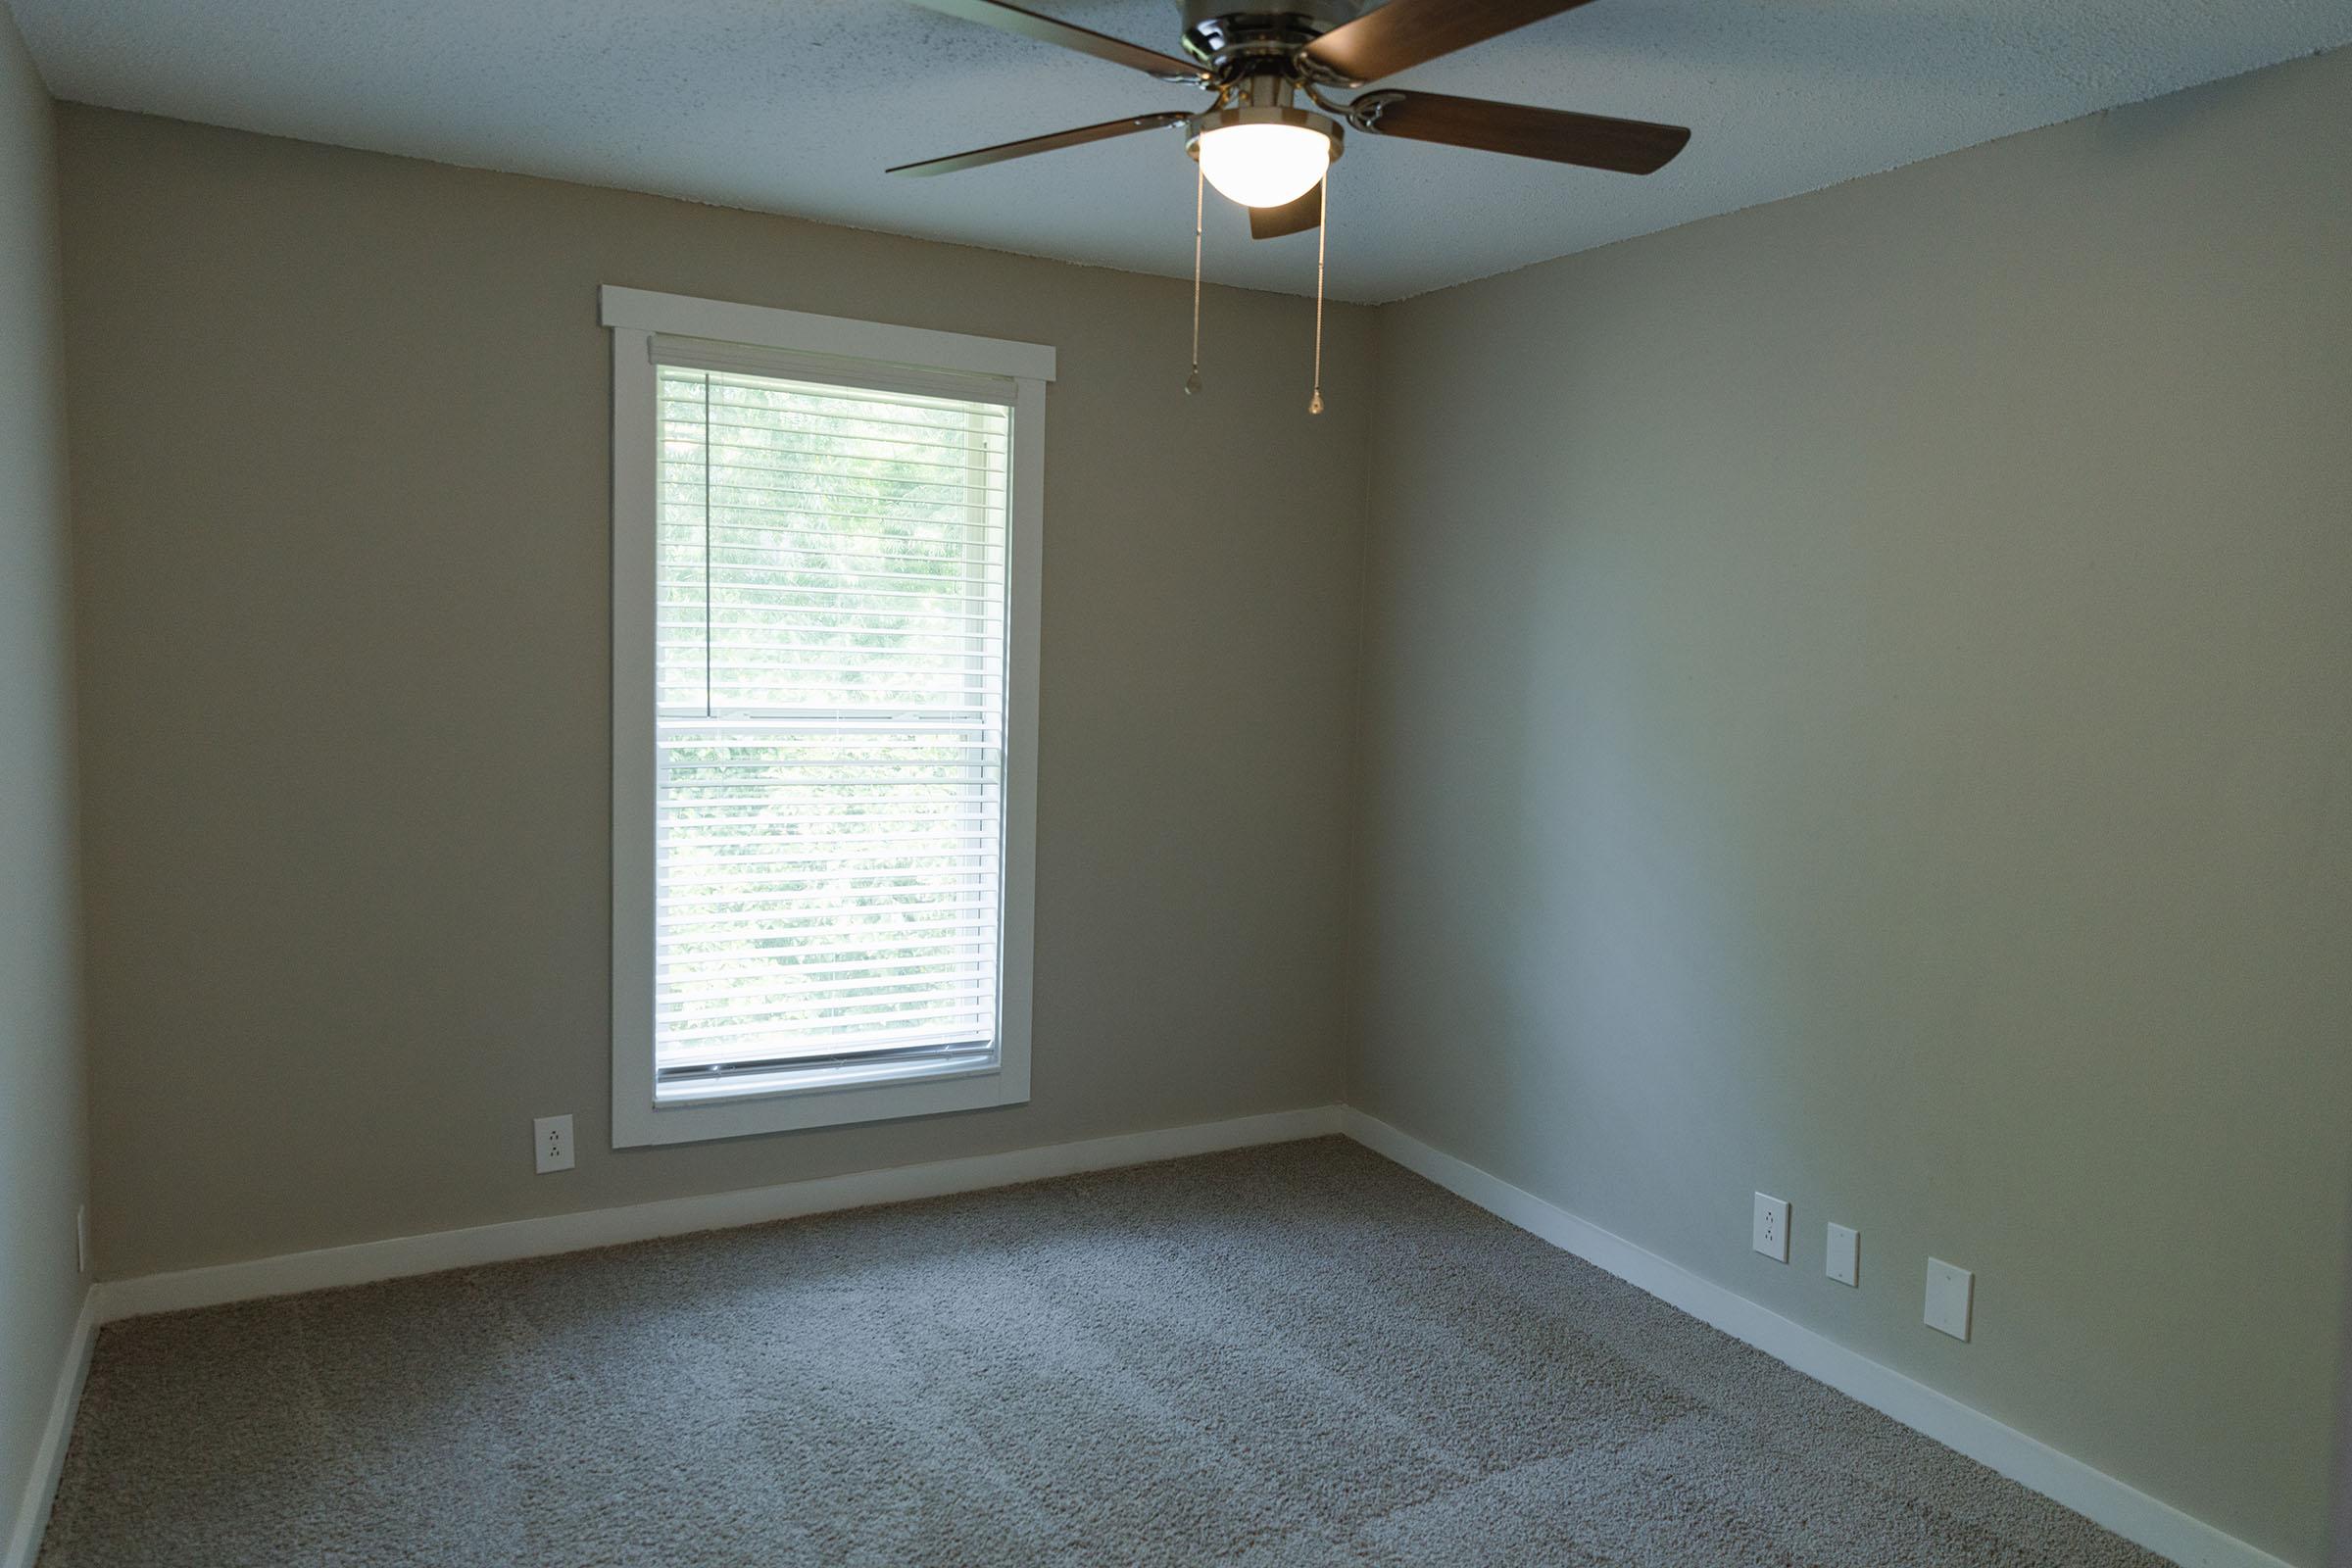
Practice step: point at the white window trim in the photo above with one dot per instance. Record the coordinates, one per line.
(637, 317)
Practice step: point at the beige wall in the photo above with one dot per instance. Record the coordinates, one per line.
(1860, 706)
(40, 1067)
(340, 427)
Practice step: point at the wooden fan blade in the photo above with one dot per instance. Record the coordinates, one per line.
(1404, 33)
(1291, 218)
(1041, 144)
(1594, 141)
(1029, 25)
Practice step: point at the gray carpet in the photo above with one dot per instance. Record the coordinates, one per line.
(1292, 1355)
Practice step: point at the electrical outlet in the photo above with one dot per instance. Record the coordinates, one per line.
(1845, 1263)
(1772, 1227)
(1951, 1294)
(81, 1238)
(551, 1143)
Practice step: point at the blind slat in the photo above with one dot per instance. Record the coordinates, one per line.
(820, 921)
(901, 470)
(694, 972)
(837, 1029)
(987, 583)
(686, 1057)
(684, 425)
(833, 543)
(977, 512)
(966, 986)
(840, 601)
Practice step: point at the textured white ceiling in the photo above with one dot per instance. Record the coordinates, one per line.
(797, 105)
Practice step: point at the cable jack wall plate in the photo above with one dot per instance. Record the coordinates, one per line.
(1844, 1255)
(1952, 1297)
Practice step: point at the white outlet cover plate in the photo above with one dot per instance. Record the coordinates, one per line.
(1845, 1263)
(1770, 1236)
(551, 1143)
(1951, 1295)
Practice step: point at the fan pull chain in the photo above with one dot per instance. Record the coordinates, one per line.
(1192, 382)
(1314, 404)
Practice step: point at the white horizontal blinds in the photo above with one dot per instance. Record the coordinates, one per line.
(830, 731)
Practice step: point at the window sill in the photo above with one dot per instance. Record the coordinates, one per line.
(788, 1101)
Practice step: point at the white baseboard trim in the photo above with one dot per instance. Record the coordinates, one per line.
(400, 1256)
(2097, 1496)
(49, 1459)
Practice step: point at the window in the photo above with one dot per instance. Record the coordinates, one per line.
(825, 539)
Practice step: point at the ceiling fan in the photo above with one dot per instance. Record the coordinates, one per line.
(1263, 149)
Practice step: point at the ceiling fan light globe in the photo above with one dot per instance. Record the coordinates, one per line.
(1265, 165)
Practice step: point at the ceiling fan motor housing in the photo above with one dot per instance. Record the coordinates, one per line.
(1254, 61)
(1234, 43)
